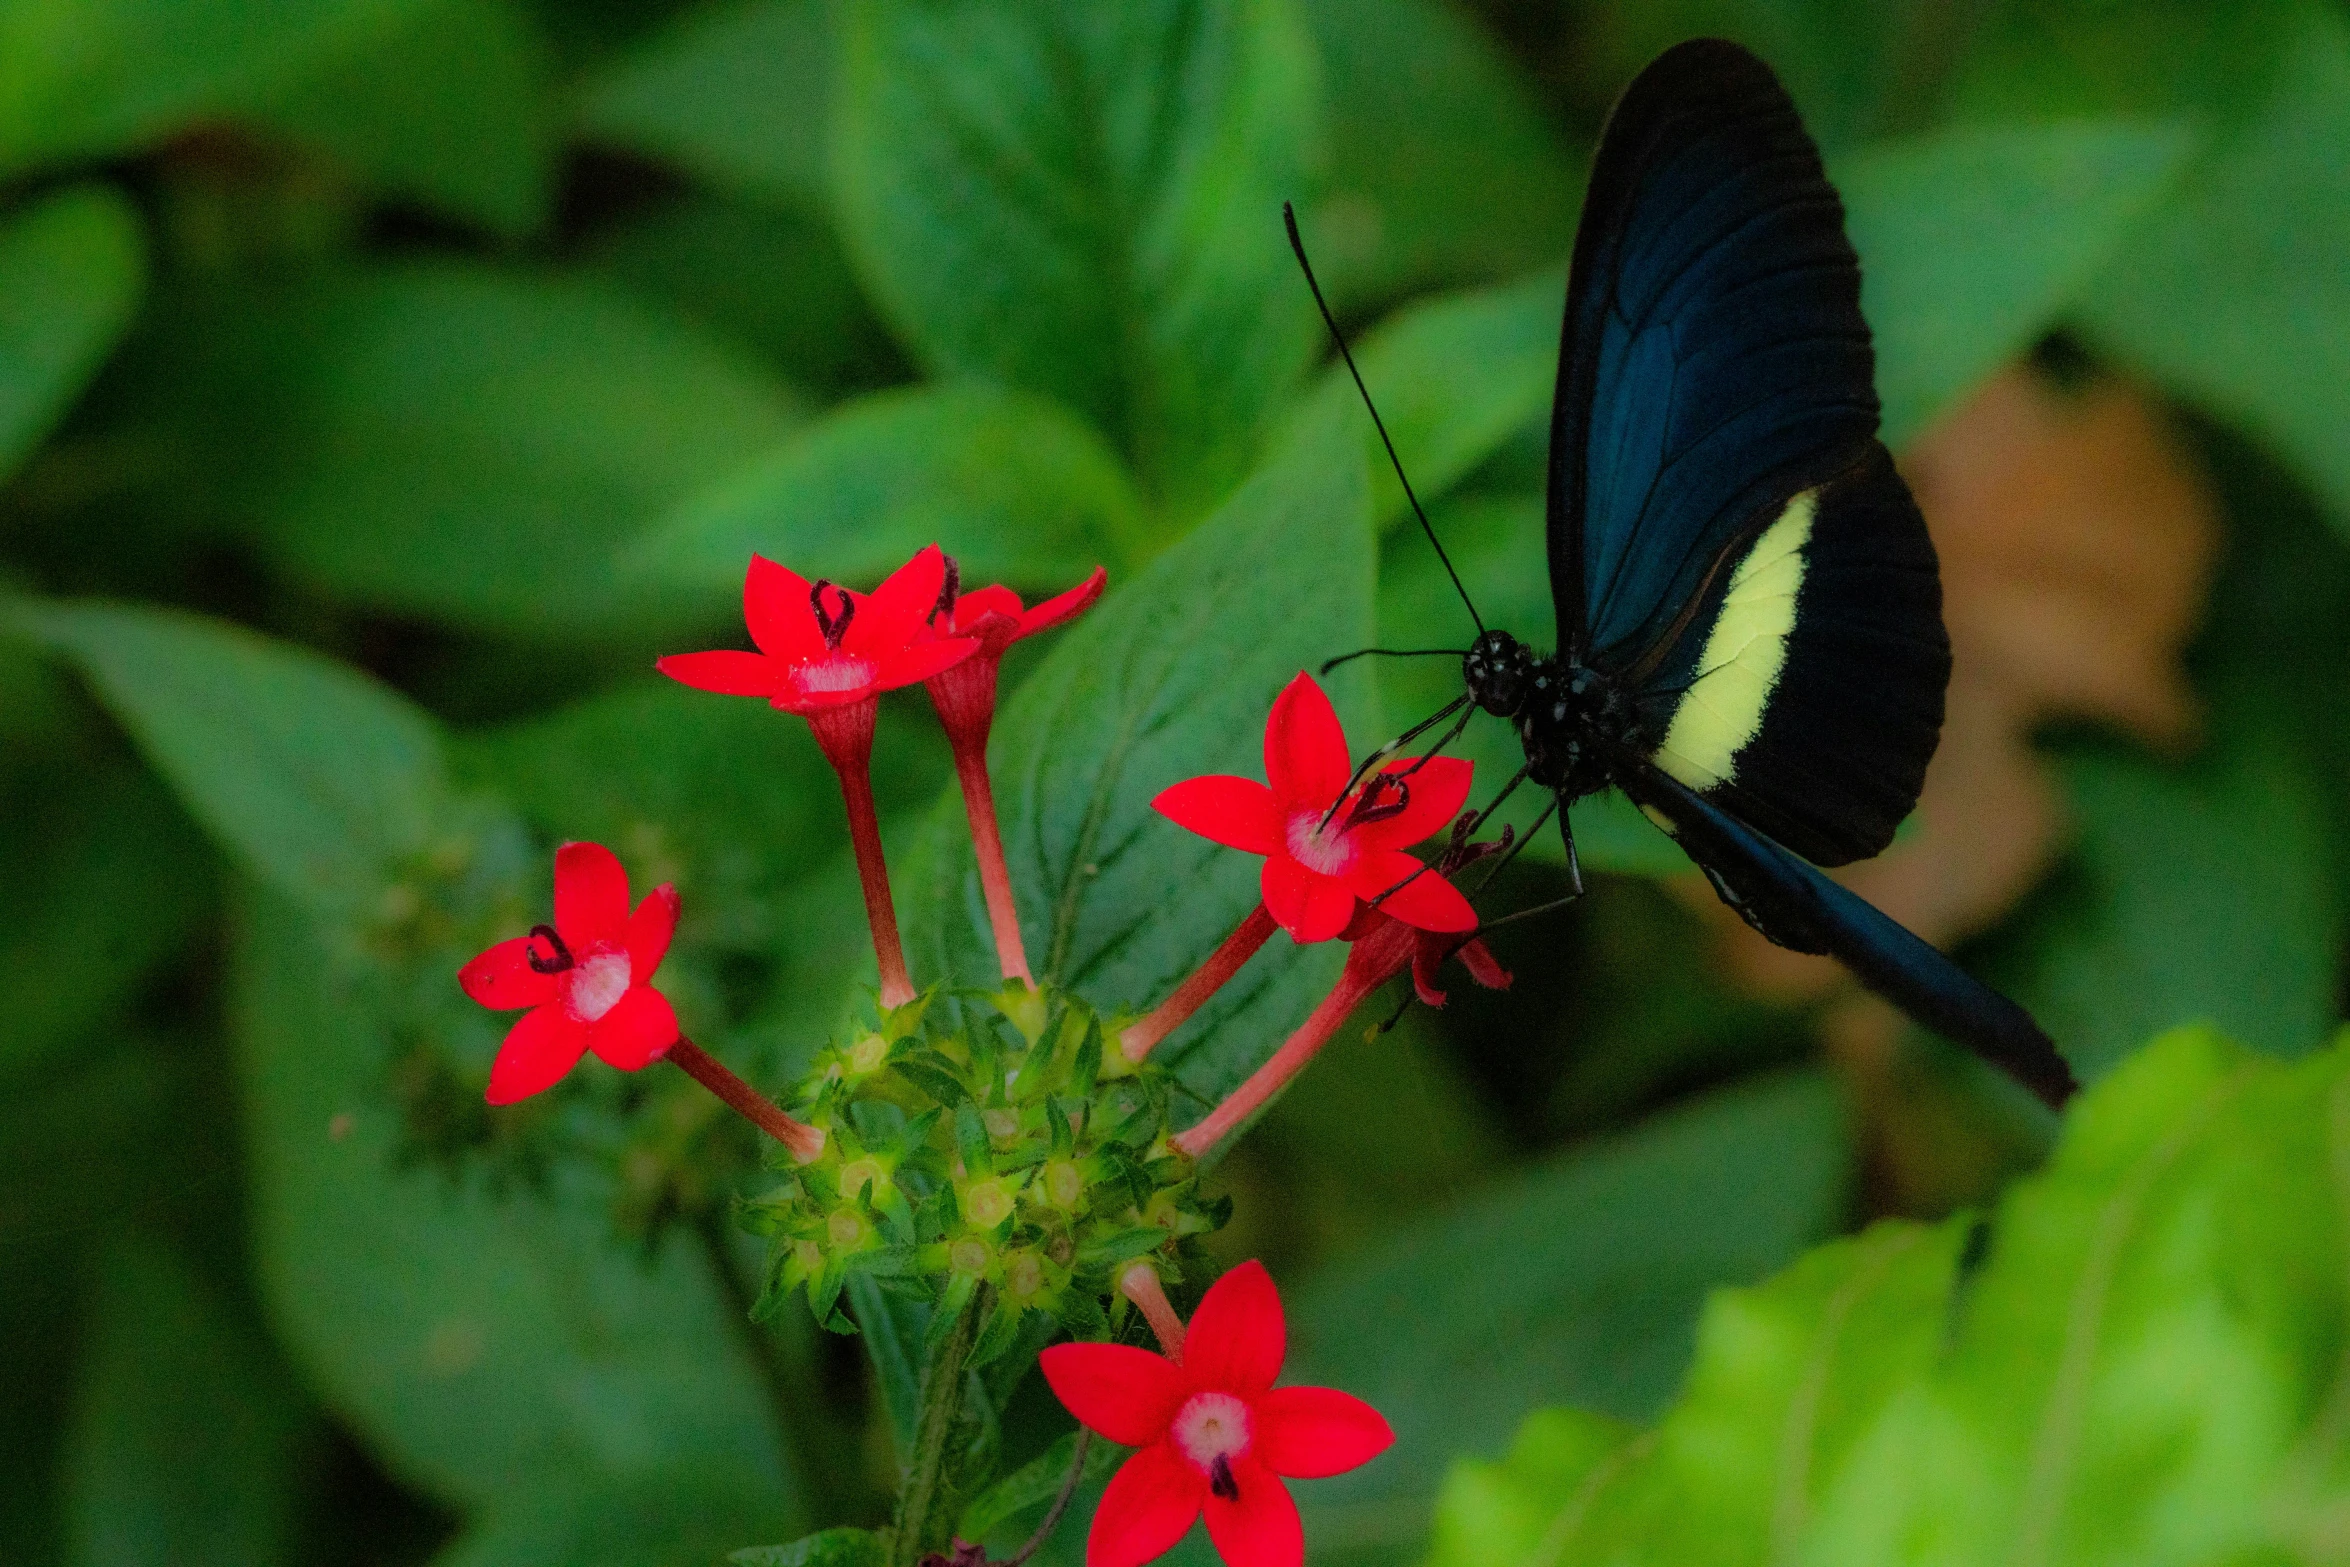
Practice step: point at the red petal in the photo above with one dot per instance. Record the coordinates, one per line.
(981, 603)
(1235, 812)
(1128, 1395)
(1237, 1338)
(591, 896)
(1438, 791)
(777, 609)
(1305, 749)
(1427, 961)
(911, 666)
(1309, 1432)
(1259, 1527)
(1409, 891)
(537, 1052)
(1064, 606)
(888, 618)
(648, 933)
(1483, 967)
(503, 978)
(727, 673)
(638, 1030)
(1148, 1507)
(1307, 904)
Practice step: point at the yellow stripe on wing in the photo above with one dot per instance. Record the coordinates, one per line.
(1744, 654)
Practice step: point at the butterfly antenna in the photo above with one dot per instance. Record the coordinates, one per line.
(1289, 218)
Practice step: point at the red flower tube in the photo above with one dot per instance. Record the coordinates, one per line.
(1214, 1434)
(965, 697)
(827, 654)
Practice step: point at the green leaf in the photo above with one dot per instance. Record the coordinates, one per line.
(2235, 293)
(1975, 241)
(677, 1517)
(892, 1329)
(107, 881)
(774, 280)
(1013, 486)
(2073, 59)
(1455, 378)
(1854, 67)
(450, 106)
(186, 1439)
(1578, 1279)
(72, 268)
(89, 78)
(726, 797)
(1418, 94)
(1491, 1514)
(2205, 891)
(486, 1347)
(738, 96)
(1032, 1487)
(1085, 201)
(317, 779)
(2142, 1364)
(825, 1548)
(1170, 676)
(455, 442)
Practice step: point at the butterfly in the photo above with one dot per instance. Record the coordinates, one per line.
(1750, 642)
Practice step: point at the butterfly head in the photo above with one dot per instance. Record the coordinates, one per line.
(1499, 670)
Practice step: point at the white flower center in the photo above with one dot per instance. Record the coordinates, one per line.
(1210, 1426)
(833, 672)
(598, 984)
(1319, 848)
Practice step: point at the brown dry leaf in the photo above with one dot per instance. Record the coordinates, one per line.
(2077, 536)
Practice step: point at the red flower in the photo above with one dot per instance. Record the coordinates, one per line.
(965, 698)
(1215, 1434)
(1326, 846)
(587, 978)
(822, 646)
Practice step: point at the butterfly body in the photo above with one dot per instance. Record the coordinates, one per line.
(1750, 642)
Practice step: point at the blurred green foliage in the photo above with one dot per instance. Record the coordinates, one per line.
(383, 383)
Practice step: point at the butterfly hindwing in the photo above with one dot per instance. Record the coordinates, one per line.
(1804, 694)
(1714, 361)
(1797, 906)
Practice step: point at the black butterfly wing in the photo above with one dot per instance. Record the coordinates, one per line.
(1726, 535)
(1796, 906)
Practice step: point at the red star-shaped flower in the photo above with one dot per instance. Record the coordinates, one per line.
(587, 978)
(1326, 846)
(1214, 1434)
(822, 646)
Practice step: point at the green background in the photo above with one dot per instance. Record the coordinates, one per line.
(383, 383)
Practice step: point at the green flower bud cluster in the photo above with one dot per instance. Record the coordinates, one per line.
(1014, 1158)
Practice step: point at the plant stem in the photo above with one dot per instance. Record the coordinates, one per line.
(1052, 1518)
(804, 1141)
(924, 1518)
(1171, 1014)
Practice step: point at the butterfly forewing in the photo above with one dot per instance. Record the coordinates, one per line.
(1726, 535)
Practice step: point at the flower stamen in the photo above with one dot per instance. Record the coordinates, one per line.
(562, 958)
(833, 628)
